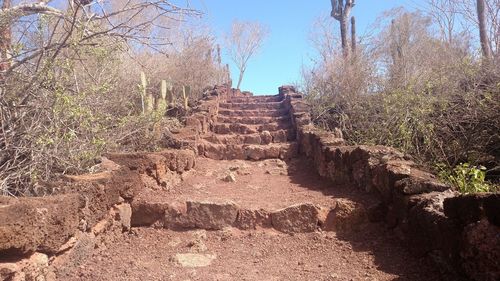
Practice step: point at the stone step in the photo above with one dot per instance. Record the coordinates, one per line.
(178, 215)
(252, 113)
(252, 106)
(248, 152)
(236, 128)
(279, 136)
(253, 120)
(255, 99)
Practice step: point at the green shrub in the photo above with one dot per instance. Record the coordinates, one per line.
(467, 178)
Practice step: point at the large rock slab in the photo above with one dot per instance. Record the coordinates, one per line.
(296, 219)
(212, 215)
(471, 208)
(251, 219)
(481, 252)
(147, 214)
(194, 260)
(38, 224)
(347, 216)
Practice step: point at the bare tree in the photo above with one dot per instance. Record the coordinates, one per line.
(341, 12)
(483, 34)
(353, 35)
(61, 71)
(444, 13)
(244, 41)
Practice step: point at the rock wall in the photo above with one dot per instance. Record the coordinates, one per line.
(460, 233)
(200, 121)
(37, 233)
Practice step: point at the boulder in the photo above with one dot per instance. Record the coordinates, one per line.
(193, 260)
(255, 152)
(251, 219)
(296, 219)
(43, 224)
(266, 137)
(147, 214)
(212, 215)
(471, 208)
(123, 214)
(480, 255)
(347, 215)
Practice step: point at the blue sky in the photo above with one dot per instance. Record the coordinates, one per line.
(288, 46)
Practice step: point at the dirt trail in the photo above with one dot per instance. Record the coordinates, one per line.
(369, 252)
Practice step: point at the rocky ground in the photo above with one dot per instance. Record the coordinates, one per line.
(230, 254)
(368, 252)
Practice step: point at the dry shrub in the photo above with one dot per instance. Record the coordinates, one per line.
(61, 109)
(411, 90)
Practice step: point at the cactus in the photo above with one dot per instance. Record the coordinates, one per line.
(186, 90)
(162, 102)
(142, 90)
(147, 100)
(219, 59)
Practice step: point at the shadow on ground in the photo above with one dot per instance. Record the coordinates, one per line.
(376, 238)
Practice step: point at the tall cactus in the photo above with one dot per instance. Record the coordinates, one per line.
(142, 90)
(186, 91)
(162, 102)
(147, 100)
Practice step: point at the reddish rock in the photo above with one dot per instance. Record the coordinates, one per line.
(481, 252)
(251, 219)
(266, 137)
(272, 152)
(419, 183)
(123, 214)
(235, 152)
(176, 216)
(280, 136)
(147, 214)
(212, 215)
(252, 139)
(74, 257)
(428, 230)
(255, 152)
(471, 208)
(297, 218)
(43, 224)
(213, 151)
(347, 215)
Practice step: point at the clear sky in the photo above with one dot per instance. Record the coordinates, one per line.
(288, 46)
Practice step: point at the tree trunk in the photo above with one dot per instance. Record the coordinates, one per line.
(353, 35)
(343, 36)
(5, 42)
(340, 12)
(240, 78)
(483, 35)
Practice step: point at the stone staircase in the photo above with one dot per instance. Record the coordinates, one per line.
(250, 128)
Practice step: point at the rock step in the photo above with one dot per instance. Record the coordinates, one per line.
(255, 99)
(251, 106)
(279, 136)
(248, 152)
(297, 218)
(252, 113)
(236, 128)
(253, 120)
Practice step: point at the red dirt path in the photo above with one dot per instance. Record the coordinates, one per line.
(371, 253)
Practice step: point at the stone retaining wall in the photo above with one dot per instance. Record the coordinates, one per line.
(460, 233)
(40, 232)
(203, 116)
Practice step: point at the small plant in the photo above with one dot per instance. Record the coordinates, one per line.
(186, 91)
(162, 102)
(466, 178)
(147, 100)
